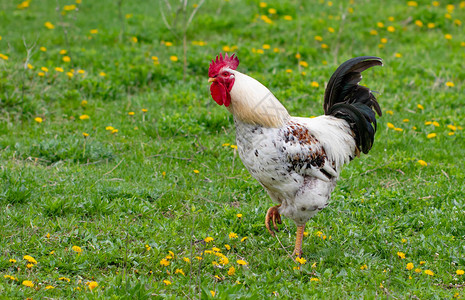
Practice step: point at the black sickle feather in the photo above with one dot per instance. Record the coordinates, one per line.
(346, 99)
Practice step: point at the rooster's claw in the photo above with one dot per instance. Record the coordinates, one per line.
(272, 215)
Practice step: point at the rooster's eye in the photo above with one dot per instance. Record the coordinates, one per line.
(225, 74)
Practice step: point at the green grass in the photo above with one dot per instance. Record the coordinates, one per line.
(112, 194)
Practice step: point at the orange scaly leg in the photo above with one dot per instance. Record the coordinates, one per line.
(298, 241)
(272, 215)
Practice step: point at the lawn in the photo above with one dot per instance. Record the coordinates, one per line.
(120, 175)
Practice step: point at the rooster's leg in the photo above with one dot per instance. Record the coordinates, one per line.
(272, 215)
(298, 241)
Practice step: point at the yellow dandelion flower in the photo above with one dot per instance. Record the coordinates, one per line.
(435, 124)
(331, 29)
(43, 49)
(431, 135)
(398, 129)
(196, 171)
(450, 84)
(420, 106)
(458, 22)
(242, 262)
(412, 3)
(422, 262)
(58, 69)
(144, 110)
(38, 120)
(324, 46)
(460, 272)
(422, 163)
(401, 255)
(102, 74)
(173, 58)
(373, 32)
(208, 239)
(364, 267)
(64, 279)
(266, 19)
(288, 71)
(287, 18)
(391, 28)
(187, 260)
(448, 36)
(429, 272)
(30, 67)
(164, 262)
(450, 7)
(390, 125)
(303, 64)
(224, 261)
(409, 266)
(239, 216)
(452, 127)
(231, 271)
(417, 270)
(262, 4)
(29, 266)
(227, 247)
(131, 113)
(63, 52)
(276, 50)
(30, 259)
(84, 134)
(84, 117)
(384, 40)
(272, 11)
(405, 120)
(318, 38)
(389, 112)
(134, 39)
(167, 282)
(232, 235)
(266, 46)
(314, 279)
(12, 260)
(66, 59)
(213, 293)
(114, 131)
(419, 23)
(28, 283)
(179, 271)
(301, 260)
(69, 7)
(451, 133)
(77, 248)
(260, 51)
(49, 25)
(435, 3)
(431, 25)
(314, 84)
(44, 69)
(93, 31)
(380, 24)
(41, 74)
(447, 16)
(48, 287)
(168, 44)
(110, 128)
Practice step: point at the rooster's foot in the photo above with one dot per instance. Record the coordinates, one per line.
(272, 215)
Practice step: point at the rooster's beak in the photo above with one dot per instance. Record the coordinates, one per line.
(211, 79)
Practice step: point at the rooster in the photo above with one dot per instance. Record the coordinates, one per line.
(297, 160)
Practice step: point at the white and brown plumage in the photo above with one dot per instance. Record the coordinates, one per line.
(297, 160)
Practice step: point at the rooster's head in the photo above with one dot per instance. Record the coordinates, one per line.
(222, 78)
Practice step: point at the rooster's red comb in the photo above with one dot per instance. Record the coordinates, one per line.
(227, 61)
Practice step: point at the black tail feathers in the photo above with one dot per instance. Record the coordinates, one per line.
(347, 100)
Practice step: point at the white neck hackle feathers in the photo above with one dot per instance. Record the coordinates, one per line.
(253, 103)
